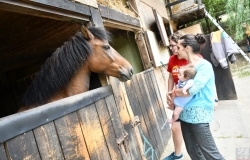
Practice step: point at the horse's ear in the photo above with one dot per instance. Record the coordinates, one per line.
(86, 33)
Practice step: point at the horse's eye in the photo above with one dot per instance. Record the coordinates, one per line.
(106, 47)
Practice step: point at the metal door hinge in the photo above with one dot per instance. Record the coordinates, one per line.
(123, 140)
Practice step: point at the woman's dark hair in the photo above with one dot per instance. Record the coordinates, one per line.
(176, 36)
(194, 41)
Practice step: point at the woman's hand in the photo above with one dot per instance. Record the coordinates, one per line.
(170, 97)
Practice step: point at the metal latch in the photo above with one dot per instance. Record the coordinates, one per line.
(136, 122)
(123, 141)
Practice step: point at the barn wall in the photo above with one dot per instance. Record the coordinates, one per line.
(159, 5)
(194, 29)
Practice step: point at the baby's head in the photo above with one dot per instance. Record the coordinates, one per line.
(186, 72)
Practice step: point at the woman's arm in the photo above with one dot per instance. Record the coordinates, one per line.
(170, 95)
(179, 92)
(170, 82)
(188, 85)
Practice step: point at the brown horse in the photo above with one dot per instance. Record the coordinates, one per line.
(67, 71)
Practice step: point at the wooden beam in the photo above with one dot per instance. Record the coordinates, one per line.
(81, 13)
(114, 15)
(120, 25)
(96, 18)
(170, 10)
(189, 16)
(65, 5)
(174, 3)
(161, 28)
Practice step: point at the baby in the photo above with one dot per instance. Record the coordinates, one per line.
(185, 76)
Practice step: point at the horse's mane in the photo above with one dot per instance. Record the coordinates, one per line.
(60, 68)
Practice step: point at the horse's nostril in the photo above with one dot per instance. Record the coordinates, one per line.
(131, 71)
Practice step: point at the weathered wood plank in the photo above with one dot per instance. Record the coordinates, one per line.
(92, 131)
(160, 111)
(51, 10)
(157, 117)
(117, 124)
(66, 5)
(139, 107)
(48, 142)
(71, 137)
(108, 129)
(30, 119)
(149, 114)
(141, 43)
(2, 152)
(161, 75)
(23, 147)
(161, 28)
(112, 14)
(96, 18)
(127, 117)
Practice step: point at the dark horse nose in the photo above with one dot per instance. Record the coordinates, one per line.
(131, 71)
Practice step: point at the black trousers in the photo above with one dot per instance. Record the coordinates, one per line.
(199, 142)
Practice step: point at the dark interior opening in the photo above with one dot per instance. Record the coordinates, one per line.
(26, 42)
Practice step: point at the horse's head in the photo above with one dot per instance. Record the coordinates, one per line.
(104, 58)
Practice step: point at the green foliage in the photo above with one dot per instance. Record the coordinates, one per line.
(238, 11)
(215, 7)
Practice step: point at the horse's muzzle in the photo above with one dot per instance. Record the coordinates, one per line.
(126, 75)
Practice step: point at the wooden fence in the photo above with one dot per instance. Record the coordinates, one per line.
(111, 122)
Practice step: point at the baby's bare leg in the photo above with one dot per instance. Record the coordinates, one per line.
(176, 114)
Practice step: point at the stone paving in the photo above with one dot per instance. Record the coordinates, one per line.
(231, 124)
